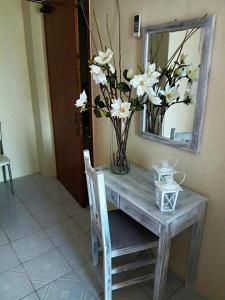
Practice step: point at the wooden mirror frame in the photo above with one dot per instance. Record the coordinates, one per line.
(207, 25)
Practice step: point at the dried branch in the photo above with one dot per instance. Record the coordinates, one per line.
(157, 49)
(193, 30)
(99, 36)
(120, 56)
(110, 41)
(181, 45)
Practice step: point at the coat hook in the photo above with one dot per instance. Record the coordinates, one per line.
(46, 5)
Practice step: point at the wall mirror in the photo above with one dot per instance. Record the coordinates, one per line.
(181, 51)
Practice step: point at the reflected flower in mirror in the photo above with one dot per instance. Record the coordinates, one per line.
(172, 86)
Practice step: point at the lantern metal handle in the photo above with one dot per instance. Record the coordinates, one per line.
(172, 159)
(184, 176)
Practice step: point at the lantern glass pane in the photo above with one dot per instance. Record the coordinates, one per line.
(164, 177)
(169, 201)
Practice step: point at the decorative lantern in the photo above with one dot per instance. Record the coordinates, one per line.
(164, 169)
(167, 192)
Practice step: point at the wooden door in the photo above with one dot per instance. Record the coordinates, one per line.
(62, 43)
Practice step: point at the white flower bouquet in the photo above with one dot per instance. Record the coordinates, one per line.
(120, 98)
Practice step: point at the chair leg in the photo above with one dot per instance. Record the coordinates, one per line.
(4, 173)
(94, 246)
(10, 179)
(107, 265)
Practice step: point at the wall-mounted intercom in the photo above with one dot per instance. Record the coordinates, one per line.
(137, 26)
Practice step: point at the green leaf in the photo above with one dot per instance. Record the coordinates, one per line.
(123, 87)
(104, 113)
(97, 113)
(139, 107)
(111, 80)
(136, 105)
(97, 99)
(187, 101)
(125, 75)
(98, 102)
(134, 101)
(101, 104)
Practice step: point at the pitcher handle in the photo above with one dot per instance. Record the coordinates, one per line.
(184, 176)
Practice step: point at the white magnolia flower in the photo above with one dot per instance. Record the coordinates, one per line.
(111, 68)
(153, 97)
(170, 93)
(192, 73)
(130, 73)
(81, 102)
(152, 73)
(104, 57)
(142, 83)
(185, 59)
(181, 72)
(98, 75)
(120, 109)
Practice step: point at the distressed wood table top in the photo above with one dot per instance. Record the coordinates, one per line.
(138, 186)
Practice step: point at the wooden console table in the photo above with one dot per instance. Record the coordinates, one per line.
(134, 193)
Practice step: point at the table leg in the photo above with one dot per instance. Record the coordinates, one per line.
(194, 249)
(162, 264)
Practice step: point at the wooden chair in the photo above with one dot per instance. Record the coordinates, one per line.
(5, 162)
(117, 233)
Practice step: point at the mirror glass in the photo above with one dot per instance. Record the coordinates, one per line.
(176, 120)
(180, 52)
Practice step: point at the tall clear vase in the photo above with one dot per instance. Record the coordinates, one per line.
(120, 163)
(155, 116)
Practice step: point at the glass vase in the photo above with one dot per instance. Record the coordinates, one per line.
(120, 163)
(154, 120)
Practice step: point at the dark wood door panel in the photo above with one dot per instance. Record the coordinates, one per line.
(62, 44)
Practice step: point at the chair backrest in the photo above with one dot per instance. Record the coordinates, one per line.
(1, 144)
(97, 201)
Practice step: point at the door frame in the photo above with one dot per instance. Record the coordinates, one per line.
(90, 93)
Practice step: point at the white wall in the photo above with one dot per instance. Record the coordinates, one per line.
(25, 109)
(37, 64)
(16, 111)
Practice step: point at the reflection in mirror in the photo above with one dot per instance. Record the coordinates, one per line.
(175, 118)
(177, 52)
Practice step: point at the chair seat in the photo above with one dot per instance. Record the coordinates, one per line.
(4, 160)
(125, 232)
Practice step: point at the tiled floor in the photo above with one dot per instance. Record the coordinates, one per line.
(45, 248)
